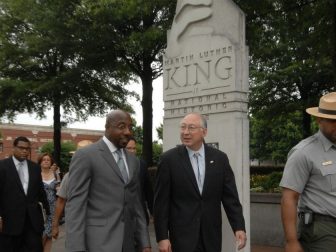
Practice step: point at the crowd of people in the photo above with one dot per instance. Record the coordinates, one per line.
(109, 201)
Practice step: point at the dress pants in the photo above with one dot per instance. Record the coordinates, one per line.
(28, 241)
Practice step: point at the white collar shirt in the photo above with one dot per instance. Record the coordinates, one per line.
(201, 163)
(25, 172)
(113, 150)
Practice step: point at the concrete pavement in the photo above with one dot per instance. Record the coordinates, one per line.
(58, 245)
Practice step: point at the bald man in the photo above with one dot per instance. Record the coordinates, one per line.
(104, 212)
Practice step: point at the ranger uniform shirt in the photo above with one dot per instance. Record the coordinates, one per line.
(311, 171)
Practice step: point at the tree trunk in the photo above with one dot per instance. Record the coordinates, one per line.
(306, 124)
(147, 124)
(57, 133)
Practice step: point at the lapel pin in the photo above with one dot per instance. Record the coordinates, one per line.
(211, 161)
(327, 163)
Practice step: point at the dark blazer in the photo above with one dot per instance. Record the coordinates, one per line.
(15, 205)
(181, 213)
(146, 190)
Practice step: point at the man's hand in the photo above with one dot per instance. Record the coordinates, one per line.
(240, 239)
(164, 246)
(293, 246)
(146, 250)
(0, 224)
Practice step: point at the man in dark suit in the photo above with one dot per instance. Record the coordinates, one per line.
(192, 181)
(103, 212)
(21, 192)
(147, 196)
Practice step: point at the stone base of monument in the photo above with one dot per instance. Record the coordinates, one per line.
(266, 225)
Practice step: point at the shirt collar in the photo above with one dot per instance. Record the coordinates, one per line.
(110, 145)
(327, 144)
(200, 151)
(16, 161)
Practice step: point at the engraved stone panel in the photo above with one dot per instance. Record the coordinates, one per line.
(205, 70)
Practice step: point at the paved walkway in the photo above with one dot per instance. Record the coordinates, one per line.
(58, 245)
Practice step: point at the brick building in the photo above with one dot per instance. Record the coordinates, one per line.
(40, 135)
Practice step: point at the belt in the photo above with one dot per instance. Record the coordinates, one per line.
(322, 217)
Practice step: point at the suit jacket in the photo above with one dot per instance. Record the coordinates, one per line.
(103, 214)
(146, 190)
(15, 205)
(181, 213)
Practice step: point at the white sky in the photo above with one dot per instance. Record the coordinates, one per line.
(97, 123)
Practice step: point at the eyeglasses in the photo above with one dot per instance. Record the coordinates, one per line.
(191, 128)
(21, 148)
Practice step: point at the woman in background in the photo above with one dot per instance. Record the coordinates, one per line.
(51, 183)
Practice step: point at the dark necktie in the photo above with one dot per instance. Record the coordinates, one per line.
(121, 165)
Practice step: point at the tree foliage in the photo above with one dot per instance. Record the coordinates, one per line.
(273, 140)
(159, 132)
(45, 63)
(292, 64)
(136, 31)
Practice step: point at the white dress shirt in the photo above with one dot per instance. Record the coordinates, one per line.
(113, 150)
(201, 164)
(25, 172)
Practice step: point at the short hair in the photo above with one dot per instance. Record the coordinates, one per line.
(39, 161)
(132, 138)
(22, 139)
(204, 122)
(113, 115)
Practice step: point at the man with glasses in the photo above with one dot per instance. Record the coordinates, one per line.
(103, 212)
(193, 180)
(21, 196)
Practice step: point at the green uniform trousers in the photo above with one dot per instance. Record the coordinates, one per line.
(319, 236)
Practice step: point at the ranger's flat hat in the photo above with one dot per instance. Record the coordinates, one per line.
(326, 108)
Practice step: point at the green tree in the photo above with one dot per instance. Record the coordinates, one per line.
(272, 140)
(290, 65)
(66, 153)
(45, 63)
(136, 31)
(137, 133)
(159, 131)
(290, 68)
(157, 151)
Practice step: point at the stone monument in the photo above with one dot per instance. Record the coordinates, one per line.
(205, 70)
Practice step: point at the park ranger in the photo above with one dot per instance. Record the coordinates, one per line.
(309, 186)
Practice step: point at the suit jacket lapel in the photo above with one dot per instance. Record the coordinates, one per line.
(108, 156)
(31, 175)
(188, 167)
(209, 164)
